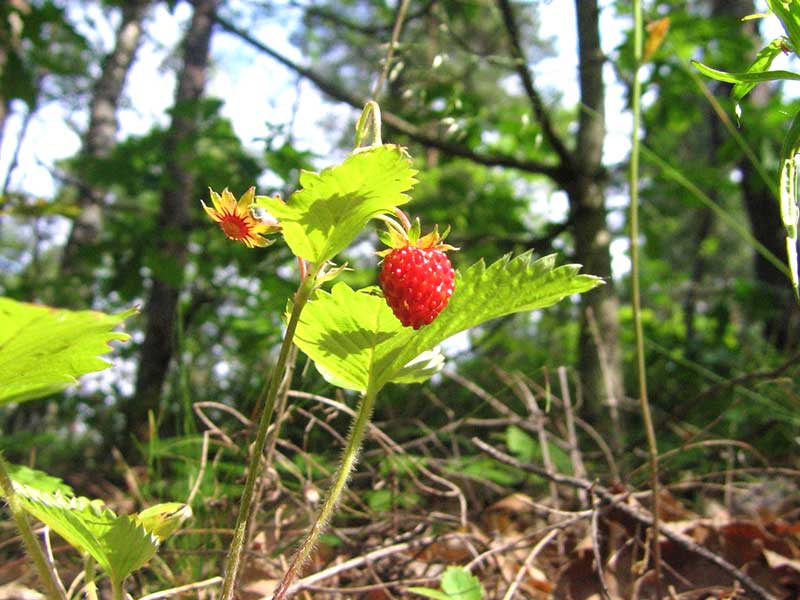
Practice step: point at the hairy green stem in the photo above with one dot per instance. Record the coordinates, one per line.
(116, 590)
(644, 404)
(234, 558)
(51, 585)
(91, 584)
(349, 458)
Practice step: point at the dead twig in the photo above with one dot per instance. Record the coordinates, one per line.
(639, 515)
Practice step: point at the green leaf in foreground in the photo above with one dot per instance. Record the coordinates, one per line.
(39, 480)
(357, 343)
(44, 350)
(457, 584)
(321, 219)
(118, 544)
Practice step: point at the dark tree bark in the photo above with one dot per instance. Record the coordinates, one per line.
(173, 220)
(600, 367)
(99, 140)
(774, 303)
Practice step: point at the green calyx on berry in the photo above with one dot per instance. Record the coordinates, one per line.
(416, 276)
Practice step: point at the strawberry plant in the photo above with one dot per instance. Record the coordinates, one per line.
(364, 339)
(358, 339)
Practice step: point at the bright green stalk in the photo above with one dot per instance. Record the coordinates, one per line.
(233, 561)
(51, 585)
(116, 590)
(91, 584)
(644, 405)
(349, 458)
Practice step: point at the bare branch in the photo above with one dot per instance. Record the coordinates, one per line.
(609, 499)
(521, 66)
(558, 173)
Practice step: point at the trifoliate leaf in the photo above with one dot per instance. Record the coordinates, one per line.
(118, 544)
(321, 219)
(357, 342)
(44, 350)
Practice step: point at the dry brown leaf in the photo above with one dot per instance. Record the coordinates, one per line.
(656, 32)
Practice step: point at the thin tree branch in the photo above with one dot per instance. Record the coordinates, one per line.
(324, 14)
(521, 66)
(558, 173)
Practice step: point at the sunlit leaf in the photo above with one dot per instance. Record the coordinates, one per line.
(162, 520)
(357, 342)
(321, 219)
(44, 350)
(38, 480)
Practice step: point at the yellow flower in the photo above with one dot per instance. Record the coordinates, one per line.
(236, 220)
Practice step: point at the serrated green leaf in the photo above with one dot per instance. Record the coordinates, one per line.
(118, 544)
(744, 78)
(321, 219)
(357, 342)
(762, 62)
(457, 584)
(39, 480)
(44, 350)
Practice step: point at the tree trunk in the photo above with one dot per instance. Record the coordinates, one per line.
(99, 140)
(173, 221)
(600, 366)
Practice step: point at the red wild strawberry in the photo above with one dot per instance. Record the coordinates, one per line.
(416, 277)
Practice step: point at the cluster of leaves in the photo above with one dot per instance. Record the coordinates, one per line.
(352, 336)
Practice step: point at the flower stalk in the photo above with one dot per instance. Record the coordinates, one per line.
(349, 458)
(233, 561)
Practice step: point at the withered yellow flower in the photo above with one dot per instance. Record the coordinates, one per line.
(236, 220)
